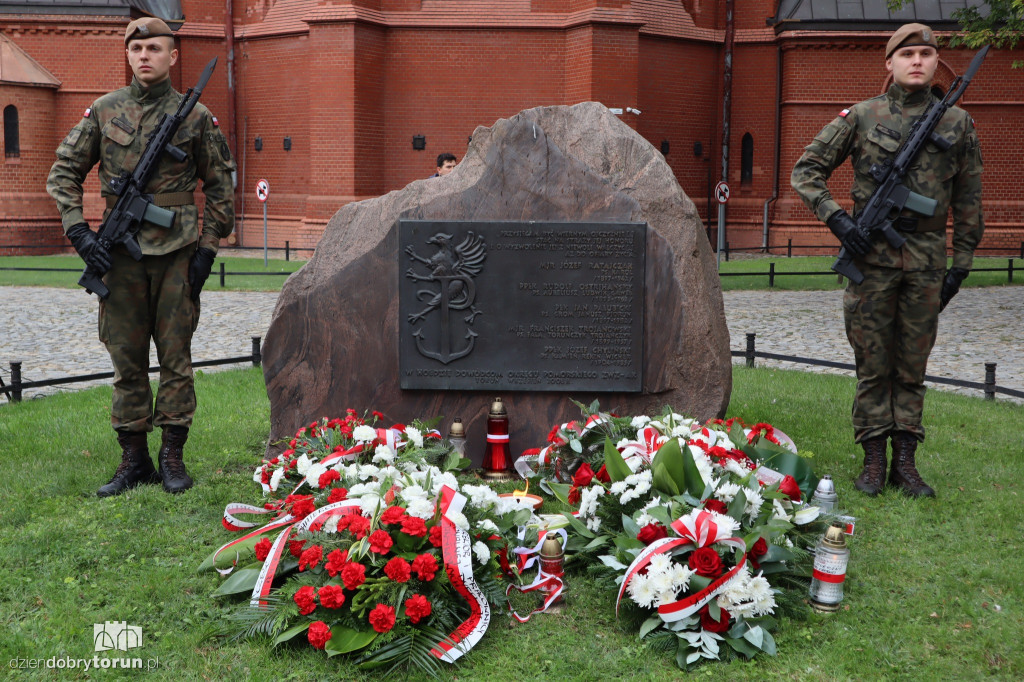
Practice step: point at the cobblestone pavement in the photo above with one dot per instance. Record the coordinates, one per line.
(53, 332)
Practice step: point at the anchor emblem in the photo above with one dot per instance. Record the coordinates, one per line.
(452, 269)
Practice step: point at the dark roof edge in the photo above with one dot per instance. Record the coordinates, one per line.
(846, 25)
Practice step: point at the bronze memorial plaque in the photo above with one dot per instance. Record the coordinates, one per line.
(530, 306)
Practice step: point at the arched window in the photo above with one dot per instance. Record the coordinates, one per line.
(12, 146)
(747, 159)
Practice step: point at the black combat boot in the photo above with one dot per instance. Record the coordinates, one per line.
(172, 468)
(872, 479)
(135, 468)
(903, 474)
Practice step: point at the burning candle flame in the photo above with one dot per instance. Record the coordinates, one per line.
(521, 493)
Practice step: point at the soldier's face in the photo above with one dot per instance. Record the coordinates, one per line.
(446, 168)
(151, 59)
(913, 67)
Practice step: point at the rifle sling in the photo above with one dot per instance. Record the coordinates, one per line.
(167, 199)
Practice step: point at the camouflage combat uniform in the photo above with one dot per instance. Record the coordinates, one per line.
(150, 298)
(892, 316)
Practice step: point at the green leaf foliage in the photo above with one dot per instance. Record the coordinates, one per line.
(613, 462)
(346, 640)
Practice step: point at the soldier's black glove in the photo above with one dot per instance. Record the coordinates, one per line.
(951, 285)
(199, 270)
(845, 230)
(89, 248)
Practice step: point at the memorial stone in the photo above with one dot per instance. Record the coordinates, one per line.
(536, 185)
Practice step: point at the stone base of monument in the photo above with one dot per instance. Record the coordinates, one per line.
(560, 261)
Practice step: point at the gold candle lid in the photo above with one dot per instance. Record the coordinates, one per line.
(498, 408)
(835, 538)
(457, 430)
(552, 547)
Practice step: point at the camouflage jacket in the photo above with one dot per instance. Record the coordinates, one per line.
(113, 132)
(872, 131)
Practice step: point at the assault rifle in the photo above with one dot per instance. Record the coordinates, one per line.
(891, 196)
(133, 205)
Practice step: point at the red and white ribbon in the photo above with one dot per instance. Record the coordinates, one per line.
(548, 583)
(457, 550)
(649, 440)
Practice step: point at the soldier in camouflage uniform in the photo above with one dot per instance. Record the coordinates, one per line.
(157, 297)
(892, 317)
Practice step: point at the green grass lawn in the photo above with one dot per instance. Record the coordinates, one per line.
(933, 590)
(732, 281)
(70, 267)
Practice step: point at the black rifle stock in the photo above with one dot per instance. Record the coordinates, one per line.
(134, 206)
(891, 196)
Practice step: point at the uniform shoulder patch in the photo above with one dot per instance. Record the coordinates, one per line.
(216, 123)
(844, 113)
(87, 113)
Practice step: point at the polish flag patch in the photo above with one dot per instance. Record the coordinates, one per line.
(216, 123)
(843, 113)
(87, 112)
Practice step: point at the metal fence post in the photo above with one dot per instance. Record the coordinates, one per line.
(771, 274)
(749, 355)
(257, 355)
(990, 381)
(1009, 271)
(222, 274)
(726, 252)
(286, 248)
(789, 248)
(16, 382)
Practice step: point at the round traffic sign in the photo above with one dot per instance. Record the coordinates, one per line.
(722, 192)
(262, 190)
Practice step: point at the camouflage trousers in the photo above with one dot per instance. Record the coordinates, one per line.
(149, 299)
(892, 318)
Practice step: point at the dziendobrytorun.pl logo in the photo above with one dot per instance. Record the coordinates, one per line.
(108, 636)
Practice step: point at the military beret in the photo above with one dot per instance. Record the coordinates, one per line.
(910, 34)
(146, 27)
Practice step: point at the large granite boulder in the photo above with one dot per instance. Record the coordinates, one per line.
(333, 340)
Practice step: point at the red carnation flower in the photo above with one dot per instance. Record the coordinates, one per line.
(715, 505)
(301, 505)
(392, 515)
(305, 598)
(652, 532)
(790, 487)
(398, 570)
(328, 477)
(574, 495)
(602, 475)
(414, 526)
(318, 634)
(435, 535)
(262, 549)
(584, 475)
(382, 618)
(336, 561)
(553, 436)
(332, 596)
(295, 547)
(358, 525)
(425, 566)
(353, 575)
(380, 542)
(417, 608)
(712, 625)
(706, 562)
(311, 557)
(337, 495)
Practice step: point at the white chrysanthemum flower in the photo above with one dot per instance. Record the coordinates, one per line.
(634, 462)
(364, 434)
(754, 501)
(664, 597)
(369, 502)
(588, 500)
(368, 471)
(680, 576)
(313, 474)
(302, 465)
(487, 526)
(680, 431)
(786, 542)
(659, 563)
(275, 479)
(640, 421)
(413, 492)
(482, 552)
(257, 476)
(480, 496)
(618, 487)
(414, 435)
(458, 518)
(764, 606)
(383, 454)
(641, 591)
(661, 581)
(623, 444)
(331, 525)
(703, 463)
(594, 524)
(735, 468)
(758, 588)
(726, 492)
(439, 480)
(420, 507)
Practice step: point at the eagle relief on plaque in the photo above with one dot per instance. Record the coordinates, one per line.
(521, 305)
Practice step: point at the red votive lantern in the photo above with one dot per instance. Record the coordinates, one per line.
(497, 464)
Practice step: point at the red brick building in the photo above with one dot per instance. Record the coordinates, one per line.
(326, 98)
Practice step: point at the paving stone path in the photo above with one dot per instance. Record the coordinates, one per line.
(53, 332)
